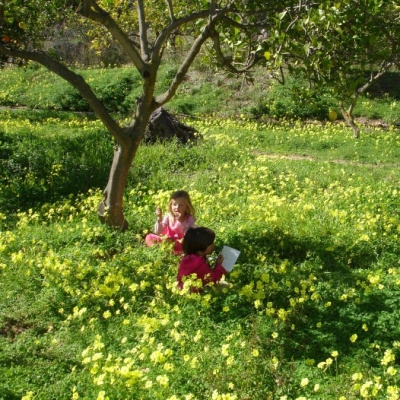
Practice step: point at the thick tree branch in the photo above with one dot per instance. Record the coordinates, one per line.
(348, 115)
(213, 6)
(226, 62)
(170, 10)
(76, 81)
(174, 25)
(92, 11)
(384, 67)
(208, 32)
(167, 95)
(144, 44)
(191, 55)
(349, 118)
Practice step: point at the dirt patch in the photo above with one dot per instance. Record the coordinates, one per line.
(372, 123)
(295, 157)
(11, 328)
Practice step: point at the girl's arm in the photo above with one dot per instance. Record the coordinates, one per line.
(161, 223)
(220, 259)
(189, 222)
(217, 273)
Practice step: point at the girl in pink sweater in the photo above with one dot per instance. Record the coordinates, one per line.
(173, 226)
(197, 244)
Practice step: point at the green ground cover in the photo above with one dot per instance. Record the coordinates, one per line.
(311, 309)
(204, 91)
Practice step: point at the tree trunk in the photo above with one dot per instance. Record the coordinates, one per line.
(348, 117)
(165, 126)
(110, 209)
(146, 57)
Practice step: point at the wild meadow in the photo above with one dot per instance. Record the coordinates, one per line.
(310, 311)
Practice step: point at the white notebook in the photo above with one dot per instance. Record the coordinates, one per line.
(230, 256)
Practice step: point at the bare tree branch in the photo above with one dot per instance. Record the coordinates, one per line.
(212, 6)
(170, 10)
(191, 55)
(77, 81)
(208, 32)
(92, 11)
(227, 62)
(384, 67)
(144, 44)
(165, 33)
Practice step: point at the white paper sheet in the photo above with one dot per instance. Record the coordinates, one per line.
(230, 256)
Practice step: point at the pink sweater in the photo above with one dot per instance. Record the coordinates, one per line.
(195, 264)
(172, 227)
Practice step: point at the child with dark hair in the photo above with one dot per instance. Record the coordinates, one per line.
(173, 226)
(197, 244)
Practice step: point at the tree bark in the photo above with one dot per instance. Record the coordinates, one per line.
(146, 60)
(348, 117)
(110, 209)
(165, 126)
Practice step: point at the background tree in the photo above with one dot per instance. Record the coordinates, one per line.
(344, 46)
(144, 30)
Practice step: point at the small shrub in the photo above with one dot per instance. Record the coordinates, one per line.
(295, 100)
(39, 166)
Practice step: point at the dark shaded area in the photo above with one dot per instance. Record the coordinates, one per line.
(388, 85)
(165, 126)
(11, 327)
(37, 170)
(378, 309)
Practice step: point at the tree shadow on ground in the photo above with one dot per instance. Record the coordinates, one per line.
(345, 302)
(387, 85)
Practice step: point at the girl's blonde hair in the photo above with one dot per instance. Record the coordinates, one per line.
(185, 196)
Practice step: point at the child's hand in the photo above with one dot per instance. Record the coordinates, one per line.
(159, 213)
(220, 259)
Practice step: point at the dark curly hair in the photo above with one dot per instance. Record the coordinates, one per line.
(197, 239)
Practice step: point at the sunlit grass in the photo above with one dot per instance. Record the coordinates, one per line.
(310, 311)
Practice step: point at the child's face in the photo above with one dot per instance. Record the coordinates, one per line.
(210, 249)
(179, 207)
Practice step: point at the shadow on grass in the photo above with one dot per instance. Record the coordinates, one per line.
(346, 303)
(387, 85)
(36, 170)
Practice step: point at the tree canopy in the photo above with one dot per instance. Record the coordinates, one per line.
(143, 29)
(333, 43)
(343, 45)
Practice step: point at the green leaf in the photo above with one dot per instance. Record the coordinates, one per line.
(282, 14)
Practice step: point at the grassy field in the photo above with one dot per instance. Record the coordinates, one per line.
(310, 311)
(205, 91)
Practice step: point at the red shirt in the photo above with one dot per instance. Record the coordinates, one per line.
(195, 264)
